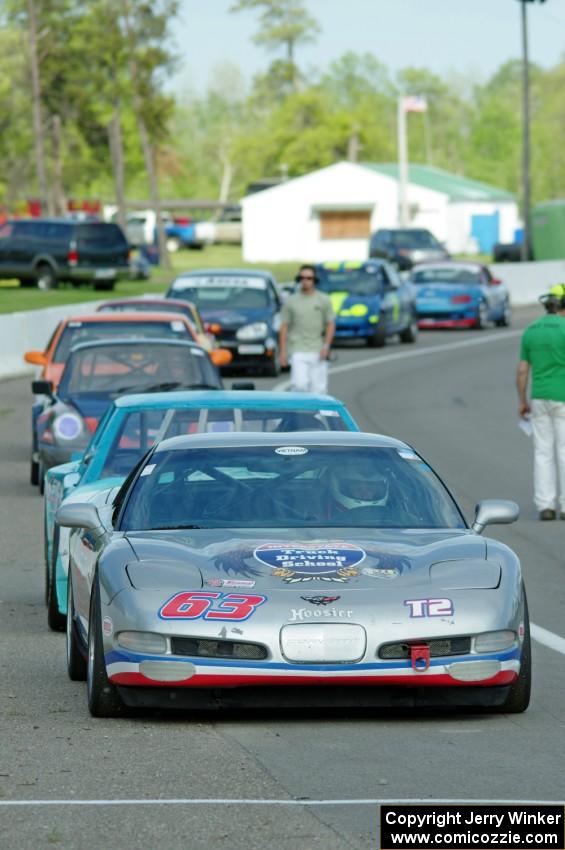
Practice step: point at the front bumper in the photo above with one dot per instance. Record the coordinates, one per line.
(351, 329)
(249, 354)
(161, 673)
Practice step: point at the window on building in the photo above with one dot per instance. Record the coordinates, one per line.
(345, 224)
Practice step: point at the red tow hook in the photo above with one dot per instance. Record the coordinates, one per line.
(420, 657)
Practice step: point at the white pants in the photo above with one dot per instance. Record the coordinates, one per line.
(548, 421)
(308, 374)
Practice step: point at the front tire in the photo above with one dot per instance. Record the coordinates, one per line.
(45, 277)
(518, 698)
(506, 318)
(273, 367)
(482, 317)
(173, 244)
(410, 334)
(378, 339)
(55, 620)
(76, 662)
(103, 698)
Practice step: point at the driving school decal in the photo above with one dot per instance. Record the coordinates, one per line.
(302, 562)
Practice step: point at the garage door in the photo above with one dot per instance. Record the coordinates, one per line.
(345, 224)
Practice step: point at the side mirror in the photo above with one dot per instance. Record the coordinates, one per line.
(42, 387)
(221, 356)
(78, 515)
(36, 358)
(243, 385)
(495, 512)
(494, 281)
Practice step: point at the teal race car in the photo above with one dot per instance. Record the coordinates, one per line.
(370, 301)
(135, 423)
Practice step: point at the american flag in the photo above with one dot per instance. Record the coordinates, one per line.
(414, 103)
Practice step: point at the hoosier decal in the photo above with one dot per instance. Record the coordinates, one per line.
(302, 562)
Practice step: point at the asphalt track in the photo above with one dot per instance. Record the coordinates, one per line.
(285, 780)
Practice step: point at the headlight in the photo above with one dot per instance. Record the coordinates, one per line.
(258, 330)
(67, 426)
(143, 642)
(495, 641)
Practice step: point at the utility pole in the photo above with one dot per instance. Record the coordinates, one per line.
(525, 248)
(526, 194)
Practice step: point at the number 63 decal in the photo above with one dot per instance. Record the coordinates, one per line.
(193, 605)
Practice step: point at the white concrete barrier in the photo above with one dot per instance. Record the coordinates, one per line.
(527, 281)
(20, 332)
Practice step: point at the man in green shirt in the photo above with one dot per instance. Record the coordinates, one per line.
(306, 333)
(543, 354)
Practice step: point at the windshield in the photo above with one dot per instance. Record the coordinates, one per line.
(413, 239)
(141, 429)
(224, 293)
(113, 370)
(288, 486)
(77, 332)
(356, 281)
(453, 276)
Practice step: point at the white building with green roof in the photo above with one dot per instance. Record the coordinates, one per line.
(330, 213)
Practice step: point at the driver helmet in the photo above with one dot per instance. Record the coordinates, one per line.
(358, 487)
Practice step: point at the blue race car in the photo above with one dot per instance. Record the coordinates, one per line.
(241, 308)
(459, 295)
(370, 301)
(134, 423)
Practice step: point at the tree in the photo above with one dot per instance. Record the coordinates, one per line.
(283, 24)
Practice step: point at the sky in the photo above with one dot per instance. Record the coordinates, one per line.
(471, 38)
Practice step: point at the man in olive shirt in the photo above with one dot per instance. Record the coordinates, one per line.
(306, 334)
(543, 352)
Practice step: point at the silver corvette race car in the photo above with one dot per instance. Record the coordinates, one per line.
(277, 569)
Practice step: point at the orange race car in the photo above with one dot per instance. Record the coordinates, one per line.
(102, 326)
(105, 326)
(155, 304)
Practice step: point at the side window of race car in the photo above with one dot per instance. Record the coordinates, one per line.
(120, 499)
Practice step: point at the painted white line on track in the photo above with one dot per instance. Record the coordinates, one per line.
(549, 639)
(481, 339)
(232, 802)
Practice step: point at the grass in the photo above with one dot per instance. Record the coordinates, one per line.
(15, 298)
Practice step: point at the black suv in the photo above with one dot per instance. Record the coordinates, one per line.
(45, 251)
(407, 246)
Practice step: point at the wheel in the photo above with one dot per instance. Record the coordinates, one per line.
(34, 472)
(76, 662)
(482, 317)
(41, 477)
(272, 369)
(518, 698)
(104, 285)
(410, 334)
(55, 620)
(378, 339)
(506, 318)
(173, 244)
(45, 277)
(103, 699)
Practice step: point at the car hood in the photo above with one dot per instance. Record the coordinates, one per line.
(312, 559)
(233, 319)
(446, 291)
(343, 302)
